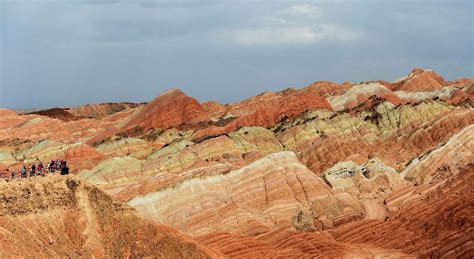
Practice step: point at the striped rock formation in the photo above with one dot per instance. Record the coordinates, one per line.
(63, 217)
(372, 169)
(100, 110)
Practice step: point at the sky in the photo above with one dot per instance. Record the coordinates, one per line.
(62, 53)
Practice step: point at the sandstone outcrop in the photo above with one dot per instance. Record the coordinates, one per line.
(435, 223)
(444, 161)
(371, 177)
(359, 94)
(261, 197)
(171, 108)
(62, 217)
(237, 201)
(419, 80)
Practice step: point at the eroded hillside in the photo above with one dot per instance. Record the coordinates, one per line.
(61, 216)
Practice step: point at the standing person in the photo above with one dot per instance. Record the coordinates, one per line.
(51, 166)
(40, 168)
(64, 168)
(33, 170)
(23, 171)
(4, 173)
(13, 174)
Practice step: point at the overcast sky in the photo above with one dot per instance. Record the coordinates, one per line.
(67, 52)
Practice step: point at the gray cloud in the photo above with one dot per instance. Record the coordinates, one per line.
(63, 53)
(296, 24)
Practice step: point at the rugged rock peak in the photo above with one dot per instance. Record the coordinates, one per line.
(326, 88)
(170, 108)
(419, 80)
(171, 93)
(417, 71)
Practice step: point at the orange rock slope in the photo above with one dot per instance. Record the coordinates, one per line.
(374, 169)
(63, 217)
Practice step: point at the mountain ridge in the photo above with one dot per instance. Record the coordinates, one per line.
(291, 173)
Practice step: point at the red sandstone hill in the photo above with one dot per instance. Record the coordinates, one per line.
(170, 108)
(419, 80)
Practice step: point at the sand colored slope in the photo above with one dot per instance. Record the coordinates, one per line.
(60, 216)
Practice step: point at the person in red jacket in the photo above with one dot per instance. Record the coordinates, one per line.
(40, 168)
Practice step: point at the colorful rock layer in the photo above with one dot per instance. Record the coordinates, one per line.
(373, 169)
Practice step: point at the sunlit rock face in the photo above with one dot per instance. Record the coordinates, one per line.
(359, 94)
(133, 147)
(171, 108)
(256, 141)
(443, 162)
(262, 196)
(419, 80)
(370, 178)
(298, 172)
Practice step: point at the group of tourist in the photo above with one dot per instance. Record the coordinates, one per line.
(38, 169)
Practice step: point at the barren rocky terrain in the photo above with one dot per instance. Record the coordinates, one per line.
(369, 169)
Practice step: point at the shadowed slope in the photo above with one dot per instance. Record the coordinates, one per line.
(438, 222)
(58, 113)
